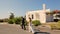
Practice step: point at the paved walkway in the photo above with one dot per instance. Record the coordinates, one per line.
(16, 29)
(12, 29)
(48, 30)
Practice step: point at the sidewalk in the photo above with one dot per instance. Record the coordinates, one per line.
(12, 29)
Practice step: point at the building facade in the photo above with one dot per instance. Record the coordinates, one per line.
(43, 15)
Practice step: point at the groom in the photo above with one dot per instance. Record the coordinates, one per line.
(23, 23)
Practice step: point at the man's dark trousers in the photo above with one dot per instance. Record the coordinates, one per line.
(23, 26)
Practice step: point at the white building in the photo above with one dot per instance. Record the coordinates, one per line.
(43, 15)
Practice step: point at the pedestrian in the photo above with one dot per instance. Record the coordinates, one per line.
(23, 24)
(30, 26)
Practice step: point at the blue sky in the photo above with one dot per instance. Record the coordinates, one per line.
(20, 7)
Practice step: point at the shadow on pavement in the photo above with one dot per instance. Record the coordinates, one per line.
(41, 33)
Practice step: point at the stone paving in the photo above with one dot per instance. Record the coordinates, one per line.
(48, 30)
(16, 29)
(12, 29)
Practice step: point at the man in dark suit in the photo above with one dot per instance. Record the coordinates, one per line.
(23, 23)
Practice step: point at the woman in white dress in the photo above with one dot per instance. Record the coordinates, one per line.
(30, 26)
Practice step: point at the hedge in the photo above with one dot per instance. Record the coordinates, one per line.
(36, 22)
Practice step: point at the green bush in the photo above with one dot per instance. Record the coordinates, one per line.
(17, 20)
(36, 22)
(26, 23)
(10, 21)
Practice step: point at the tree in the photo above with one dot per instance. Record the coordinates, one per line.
(11, 16)
(17, 20)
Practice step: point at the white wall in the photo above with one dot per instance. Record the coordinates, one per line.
(41, 15)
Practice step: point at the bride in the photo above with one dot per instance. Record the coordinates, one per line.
(30, 26)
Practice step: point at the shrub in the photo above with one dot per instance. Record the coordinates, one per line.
(36, 22)
(10, 21)
(26, 23)
(17, 20)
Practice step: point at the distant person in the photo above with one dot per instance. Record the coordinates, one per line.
(23, 24)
